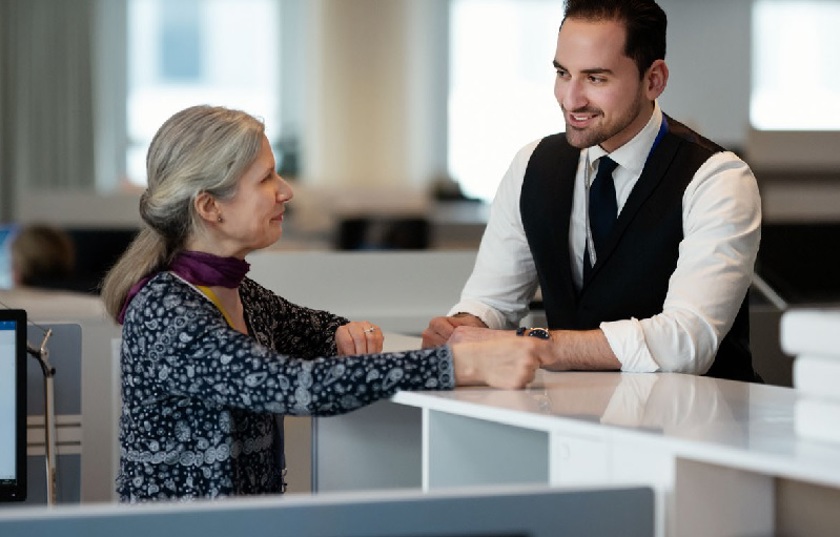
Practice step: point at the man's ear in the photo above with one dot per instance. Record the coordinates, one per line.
(656, 79)
(206, 207)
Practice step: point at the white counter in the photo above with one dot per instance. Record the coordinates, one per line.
(714, 450)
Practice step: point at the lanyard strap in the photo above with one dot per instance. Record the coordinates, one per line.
(215, 300)
(663, 128)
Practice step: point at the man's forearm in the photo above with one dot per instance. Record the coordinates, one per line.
(581, 350)
(469, 319)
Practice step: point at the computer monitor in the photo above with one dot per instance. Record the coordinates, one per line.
(97, 250)
(12, 405)
(7, 233)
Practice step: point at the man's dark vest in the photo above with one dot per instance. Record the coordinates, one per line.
(630, 279)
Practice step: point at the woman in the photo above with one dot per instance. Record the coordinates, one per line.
(209, 356)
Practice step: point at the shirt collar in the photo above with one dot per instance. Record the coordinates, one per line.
(634, 153)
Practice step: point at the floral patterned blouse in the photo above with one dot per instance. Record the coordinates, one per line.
(200, 399)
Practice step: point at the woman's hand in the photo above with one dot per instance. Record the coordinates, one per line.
(498, 359)
(358, 337)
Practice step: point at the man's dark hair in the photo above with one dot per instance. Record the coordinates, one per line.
(645, 22)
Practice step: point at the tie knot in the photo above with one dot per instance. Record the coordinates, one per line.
(606, 165)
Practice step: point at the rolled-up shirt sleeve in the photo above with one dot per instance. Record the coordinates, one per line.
(503, 281)
(722, 230)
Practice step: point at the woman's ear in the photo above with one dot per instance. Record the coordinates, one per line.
(656, 79)
(207, 208)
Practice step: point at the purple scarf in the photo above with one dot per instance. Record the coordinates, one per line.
(198, 268)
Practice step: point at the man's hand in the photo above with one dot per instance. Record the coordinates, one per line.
(440, 328)
(465, 334)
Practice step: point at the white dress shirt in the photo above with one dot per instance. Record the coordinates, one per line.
(721, 232)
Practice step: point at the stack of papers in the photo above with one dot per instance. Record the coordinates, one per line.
(812, 336)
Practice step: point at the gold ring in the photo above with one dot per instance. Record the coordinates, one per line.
(369, 330)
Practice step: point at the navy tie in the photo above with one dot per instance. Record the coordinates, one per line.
(603, 209)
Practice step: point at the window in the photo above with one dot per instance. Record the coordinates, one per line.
(796, 67)
(501, 93)
(187, 52)
(180, 36)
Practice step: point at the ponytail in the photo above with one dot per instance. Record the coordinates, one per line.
(147, 253)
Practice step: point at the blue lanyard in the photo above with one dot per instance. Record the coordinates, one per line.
(663, 128)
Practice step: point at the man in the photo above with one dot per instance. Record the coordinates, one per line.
(661, 284)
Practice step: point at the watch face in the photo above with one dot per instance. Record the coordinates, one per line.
(541, 333)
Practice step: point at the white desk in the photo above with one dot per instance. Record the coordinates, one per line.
(721, 455)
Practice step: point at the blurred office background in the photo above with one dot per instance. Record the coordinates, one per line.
(433, 96)
(395, 119)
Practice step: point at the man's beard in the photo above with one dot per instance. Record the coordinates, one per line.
(598, 133)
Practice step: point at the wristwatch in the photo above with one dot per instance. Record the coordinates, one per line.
(541, 333)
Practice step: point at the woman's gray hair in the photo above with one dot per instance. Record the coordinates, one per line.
(199, 149)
